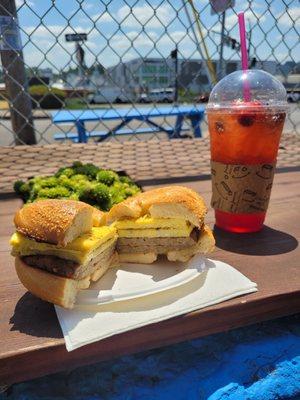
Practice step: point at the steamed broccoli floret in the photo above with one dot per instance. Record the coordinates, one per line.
(79, 177)
(57, 192)
(22, 189)
(80, 182)
(74, 196)
(85, 182)
(18, 185)
(78, 168)
(43, 181)
(33, 194)
(35, 184)
(34, 191)
(107, 177)
(125, 179)
(89, 170)
(35, 180)
(67, 171)
(64, 180)
(77, 164)
(120, 191)
(75, 183)
(98, 196)
(116, 194)
(48, 182)
(132, 190)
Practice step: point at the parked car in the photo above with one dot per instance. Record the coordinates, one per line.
(293, 97)
(202, 98)
(110, 95)
(158, 96)
(143, 98)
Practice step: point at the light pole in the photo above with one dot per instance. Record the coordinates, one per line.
(221, 60)
(174, 55)
(249, 37)
(78, 38)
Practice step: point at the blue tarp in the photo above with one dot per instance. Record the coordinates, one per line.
(260, 362)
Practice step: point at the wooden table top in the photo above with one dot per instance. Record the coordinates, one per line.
(31, 342)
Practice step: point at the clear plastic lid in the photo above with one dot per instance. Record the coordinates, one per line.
(266, 92)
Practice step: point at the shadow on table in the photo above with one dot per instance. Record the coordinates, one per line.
(264, 243)
(35, 317)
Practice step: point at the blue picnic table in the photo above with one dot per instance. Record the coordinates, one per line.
(125, 115)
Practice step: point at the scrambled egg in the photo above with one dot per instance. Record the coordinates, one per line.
(153, 227)
(79, 250)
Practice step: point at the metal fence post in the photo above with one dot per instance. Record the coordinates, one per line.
(221, 73)
(16, 86)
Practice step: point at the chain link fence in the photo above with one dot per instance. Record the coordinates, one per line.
(92, 54)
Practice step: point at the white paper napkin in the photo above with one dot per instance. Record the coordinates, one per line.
(219, 282)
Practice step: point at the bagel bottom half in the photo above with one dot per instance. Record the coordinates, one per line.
(57, 289)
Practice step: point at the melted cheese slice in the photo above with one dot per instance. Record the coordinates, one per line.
(80, 250)
(153, 227)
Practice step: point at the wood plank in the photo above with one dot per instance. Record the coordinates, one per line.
(32, 343)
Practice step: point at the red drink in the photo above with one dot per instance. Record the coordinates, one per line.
(244, 138)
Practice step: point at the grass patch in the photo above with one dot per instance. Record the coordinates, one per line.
(76, 104)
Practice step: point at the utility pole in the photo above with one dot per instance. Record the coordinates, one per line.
(253, 59)
(249, 38)
(14, 75)
(79, 39)
(211, 79)
(174, 55)
(221, 73)
(81, 64)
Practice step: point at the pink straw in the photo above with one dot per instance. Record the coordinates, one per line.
(246, 88)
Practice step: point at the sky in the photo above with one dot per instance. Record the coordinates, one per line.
(120, 30)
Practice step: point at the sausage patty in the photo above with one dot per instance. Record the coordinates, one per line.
(68, 268)
(161, 245)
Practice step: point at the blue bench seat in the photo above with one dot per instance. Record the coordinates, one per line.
(103, 134)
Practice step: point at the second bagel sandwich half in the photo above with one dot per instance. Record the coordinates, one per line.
(168, 220)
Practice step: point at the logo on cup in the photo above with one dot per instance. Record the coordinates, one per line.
(265, 172)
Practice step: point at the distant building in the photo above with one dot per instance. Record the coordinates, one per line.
(151, 73)
(291, 81)
(143, 74)
(39, 76)
(289, 67)
(268, 66)
(45, 72)
(193, 77)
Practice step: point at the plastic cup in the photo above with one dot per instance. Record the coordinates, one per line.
(244, 142)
